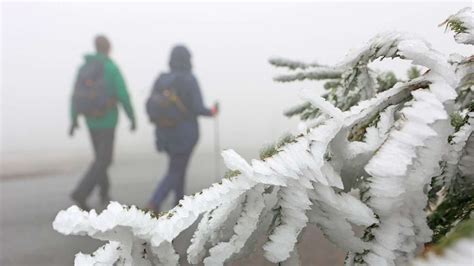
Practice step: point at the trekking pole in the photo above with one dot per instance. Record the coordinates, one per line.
(217, 145)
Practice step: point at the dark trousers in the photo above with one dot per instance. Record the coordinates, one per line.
(103, 144)
(173, 179)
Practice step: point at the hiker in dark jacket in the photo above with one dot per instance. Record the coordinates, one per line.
(178, 139)
(101, 121)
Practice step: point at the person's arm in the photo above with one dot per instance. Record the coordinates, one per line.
(197, 104)
(123, 97)
(73, 114)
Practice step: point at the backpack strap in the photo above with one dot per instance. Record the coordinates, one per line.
(176, 99)
(179, 103)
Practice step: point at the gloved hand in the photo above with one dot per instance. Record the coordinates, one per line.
(72, 128)
(215, 109)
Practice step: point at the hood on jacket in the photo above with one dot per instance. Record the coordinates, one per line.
(180, 59)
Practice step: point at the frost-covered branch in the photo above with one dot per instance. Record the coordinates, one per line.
(366, 159)
(291, 64)
(319, 73)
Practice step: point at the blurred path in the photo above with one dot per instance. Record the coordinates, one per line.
(29, 205)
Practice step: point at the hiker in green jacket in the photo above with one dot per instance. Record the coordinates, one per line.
(99, 88)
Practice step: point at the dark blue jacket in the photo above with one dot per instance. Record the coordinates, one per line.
(183, 137)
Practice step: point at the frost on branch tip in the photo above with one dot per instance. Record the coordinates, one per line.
(462, 25)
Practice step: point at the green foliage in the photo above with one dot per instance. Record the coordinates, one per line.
(332, 84)
(358, 131)
(297, 109)
(457, 206)
(343, 92)
(309, 113)
(368, 235)
(306, 111)
(349, 79)
(462, 230)
(437, 183)
(276, 220)
(413, 73)
(267, 151)
(272, 149)
(231, 173)
(457, 121)
(359, 257)
(386, 80)
(290, 64)
(153, 214)
(455, 25)
(287, 138)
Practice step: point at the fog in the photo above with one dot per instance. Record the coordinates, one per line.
(43, 44)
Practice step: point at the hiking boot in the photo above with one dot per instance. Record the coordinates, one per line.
(105, 200)
(80, 203)
(153, 208)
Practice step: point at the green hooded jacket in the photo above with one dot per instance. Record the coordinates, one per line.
(116, 84)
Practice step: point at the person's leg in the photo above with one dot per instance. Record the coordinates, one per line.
(180, 167)
(173, 180)
(105, 155)
(104, 187)
(89, 180)
(166, 184)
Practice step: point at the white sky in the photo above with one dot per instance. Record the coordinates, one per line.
(43, 44)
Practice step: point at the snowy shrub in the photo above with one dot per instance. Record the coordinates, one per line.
(371, 149)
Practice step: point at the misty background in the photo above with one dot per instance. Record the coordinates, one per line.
(43, 45)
